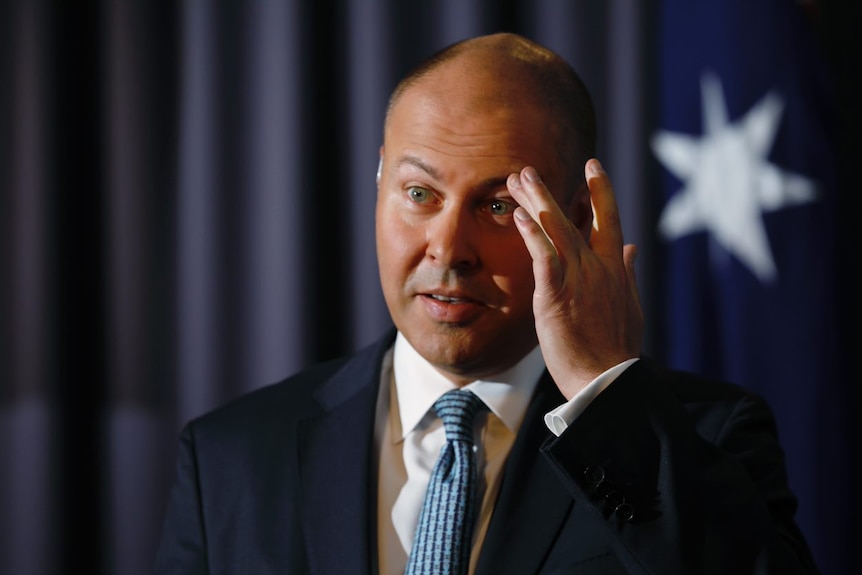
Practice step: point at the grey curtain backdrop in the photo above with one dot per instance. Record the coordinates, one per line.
(186, 213)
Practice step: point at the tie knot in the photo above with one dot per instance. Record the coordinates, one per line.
(457, 408)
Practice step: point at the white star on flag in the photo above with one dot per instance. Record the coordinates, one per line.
(728, 180)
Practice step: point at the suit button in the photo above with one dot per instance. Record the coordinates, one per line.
(594, 474)
(625, 511)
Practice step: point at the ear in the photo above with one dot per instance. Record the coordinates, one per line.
(580, 210)
(380, 165)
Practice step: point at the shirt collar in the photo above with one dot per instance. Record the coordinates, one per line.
(418, 385)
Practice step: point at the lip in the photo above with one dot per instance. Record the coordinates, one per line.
(450, 308)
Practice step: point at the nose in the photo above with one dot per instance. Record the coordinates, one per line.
(450, 239)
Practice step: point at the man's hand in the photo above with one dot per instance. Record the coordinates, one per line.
(586, 302)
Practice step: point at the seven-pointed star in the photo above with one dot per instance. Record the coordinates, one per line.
(728, 180)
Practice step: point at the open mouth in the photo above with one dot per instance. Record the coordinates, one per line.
(451, 309)
(447, 299)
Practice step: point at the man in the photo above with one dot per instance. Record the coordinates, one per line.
(503, 267)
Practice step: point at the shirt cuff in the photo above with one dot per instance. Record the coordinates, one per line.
(562, 417)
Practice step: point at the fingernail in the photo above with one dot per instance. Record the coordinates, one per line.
(521, 214)
(531, 175)
(595, 167)
(514, 181)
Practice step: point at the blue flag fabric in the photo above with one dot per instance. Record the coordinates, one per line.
(747, 144)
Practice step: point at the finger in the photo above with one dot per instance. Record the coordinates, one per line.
(547, 268)
(528, 189)
(607, 235)
(529, 186)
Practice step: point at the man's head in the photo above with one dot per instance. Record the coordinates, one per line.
(456, 274)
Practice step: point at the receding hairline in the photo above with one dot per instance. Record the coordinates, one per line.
(504, 46)
(555, 86)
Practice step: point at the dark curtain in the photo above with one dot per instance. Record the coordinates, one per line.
(186, 213)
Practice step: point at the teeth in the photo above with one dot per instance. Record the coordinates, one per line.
(447, 299)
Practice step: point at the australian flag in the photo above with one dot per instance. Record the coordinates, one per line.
(747, 148)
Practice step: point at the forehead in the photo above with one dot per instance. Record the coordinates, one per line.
(469, 123)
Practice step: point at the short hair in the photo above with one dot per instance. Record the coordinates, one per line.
(558, 89)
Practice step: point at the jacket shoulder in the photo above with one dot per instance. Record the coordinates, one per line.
(300, 395)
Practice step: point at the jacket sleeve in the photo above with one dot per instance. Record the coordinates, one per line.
(687, 475)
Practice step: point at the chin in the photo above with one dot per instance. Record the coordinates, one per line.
(467, 356)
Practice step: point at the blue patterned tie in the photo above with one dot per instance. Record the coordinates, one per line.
(441, 545)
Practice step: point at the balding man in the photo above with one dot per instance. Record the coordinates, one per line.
(503, 267)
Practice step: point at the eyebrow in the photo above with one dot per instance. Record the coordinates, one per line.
(418, 163)
(489, 184)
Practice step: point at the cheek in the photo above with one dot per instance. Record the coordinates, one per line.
(512, 269)
(397, 247)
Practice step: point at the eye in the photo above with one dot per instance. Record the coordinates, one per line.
(499, 207)
(418, 195)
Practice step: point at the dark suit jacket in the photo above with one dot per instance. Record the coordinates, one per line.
(663, 473)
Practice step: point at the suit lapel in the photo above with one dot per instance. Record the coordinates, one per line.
(532, 502)
(336, 451)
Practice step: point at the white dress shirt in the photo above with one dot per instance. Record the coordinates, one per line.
(409, 437)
